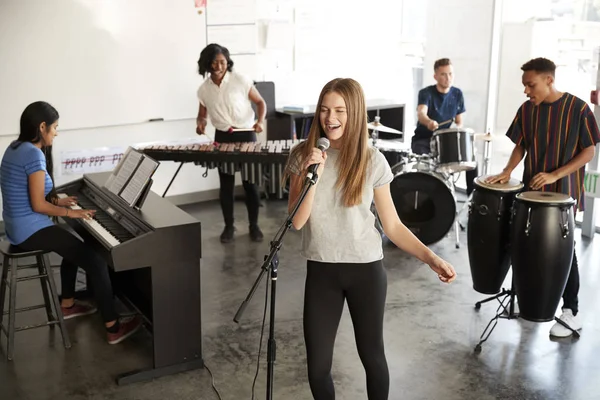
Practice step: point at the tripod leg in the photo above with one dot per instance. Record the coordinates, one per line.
(504, 292)
(492, 324)
(456, 231)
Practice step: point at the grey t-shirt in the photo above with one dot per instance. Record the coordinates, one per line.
(335, 233)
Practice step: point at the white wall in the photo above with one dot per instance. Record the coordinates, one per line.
(327, 39)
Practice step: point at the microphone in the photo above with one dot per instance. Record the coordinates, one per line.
(322, 144)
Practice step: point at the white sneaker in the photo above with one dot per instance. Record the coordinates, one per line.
(568, 318)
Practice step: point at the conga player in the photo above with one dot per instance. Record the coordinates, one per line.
(557, 132)
(438, 107)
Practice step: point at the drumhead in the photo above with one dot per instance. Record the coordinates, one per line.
(453, 130)
(513, 185)
(392, 145)
(424, 203)
(545, 197)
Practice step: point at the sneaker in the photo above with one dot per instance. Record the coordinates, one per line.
(227, 235)
(128, 326)
(256, 234)
(568, 318)
(77, 310)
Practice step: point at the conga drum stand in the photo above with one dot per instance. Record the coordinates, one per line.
(505, 310)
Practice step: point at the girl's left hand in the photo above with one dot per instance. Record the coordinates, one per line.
(443, 268)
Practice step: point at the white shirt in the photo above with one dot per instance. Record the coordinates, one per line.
(228, 105)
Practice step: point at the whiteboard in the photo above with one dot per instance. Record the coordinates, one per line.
(238, 39)
(229, 12)
(100, 63)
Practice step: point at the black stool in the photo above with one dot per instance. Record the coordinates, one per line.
(11, 256)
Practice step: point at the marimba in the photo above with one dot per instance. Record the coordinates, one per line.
(259, 163)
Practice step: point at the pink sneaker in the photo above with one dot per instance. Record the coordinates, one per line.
(128, 326)
(77, 310)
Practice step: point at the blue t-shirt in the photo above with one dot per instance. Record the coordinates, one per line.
(440, 107)
(20, 221)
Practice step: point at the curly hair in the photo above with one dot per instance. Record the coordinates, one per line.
(208, 55)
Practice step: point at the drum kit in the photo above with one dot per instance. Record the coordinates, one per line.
(423, 188)
(532, 231)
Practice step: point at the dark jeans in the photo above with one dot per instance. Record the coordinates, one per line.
(364, 287)
(227, 182)
(76, 253)
(423, 146)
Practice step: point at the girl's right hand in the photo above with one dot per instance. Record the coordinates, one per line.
(316, 157)
(81, 214)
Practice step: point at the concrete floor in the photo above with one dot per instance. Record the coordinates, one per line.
(430, 332)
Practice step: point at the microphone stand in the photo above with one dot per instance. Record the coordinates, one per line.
(271, 263)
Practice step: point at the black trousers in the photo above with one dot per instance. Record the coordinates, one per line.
(364, 287)
(76, 253)
(423, 146)
(227, 182)
(570, 295)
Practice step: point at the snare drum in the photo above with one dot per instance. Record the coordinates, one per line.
(423, 199)
(488, 232)
(541, 251)
(453, 150)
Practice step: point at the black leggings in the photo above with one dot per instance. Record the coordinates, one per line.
(364, 287)
(76, 253)
(227, 182)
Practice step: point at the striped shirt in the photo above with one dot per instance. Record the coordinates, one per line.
(552, 135)
(20, 221)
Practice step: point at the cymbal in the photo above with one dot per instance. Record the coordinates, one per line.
(382, 128)
(486, 137)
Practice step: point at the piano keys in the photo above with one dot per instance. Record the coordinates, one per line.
(154, 260)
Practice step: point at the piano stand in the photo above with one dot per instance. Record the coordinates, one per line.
(174, 318)
(154, 267)
(152, 373)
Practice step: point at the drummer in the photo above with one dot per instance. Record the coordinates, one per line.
(558, 146)
(439, 106)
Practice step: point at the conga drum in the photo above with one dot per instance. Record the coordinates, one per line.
(541, 251)
(488, 232)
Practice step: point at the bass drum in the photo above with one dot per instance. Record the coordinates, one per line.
(423, 200)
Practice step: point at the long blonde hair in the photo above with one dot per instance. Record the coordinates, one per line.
(354, 153)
